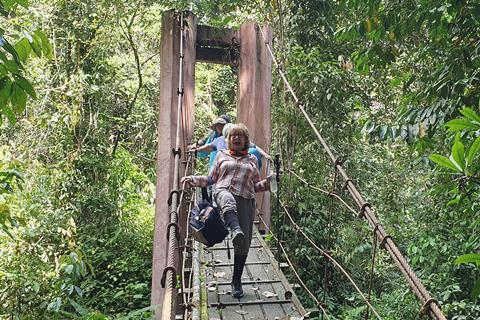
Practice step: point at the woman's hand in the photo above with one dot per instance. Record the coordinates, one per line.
(188, 180)
(192, 148)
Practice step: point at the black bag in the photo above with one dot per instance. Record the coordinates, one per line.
(206, 224)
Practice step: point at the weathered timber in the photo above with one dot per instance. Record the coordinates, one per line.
(254, 97)
(216, 37)
(216, 55)
(167, 124)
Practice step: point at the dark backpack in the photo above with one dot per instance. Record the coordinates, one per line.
(206, 224)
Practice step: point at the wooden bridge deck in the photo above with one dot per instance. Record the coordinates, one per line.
(267, 293)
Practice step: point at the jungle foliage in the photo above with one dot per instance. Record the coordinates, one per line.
(393, 86)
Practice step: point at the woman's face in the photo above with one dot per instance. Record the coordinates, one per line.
(237, 141)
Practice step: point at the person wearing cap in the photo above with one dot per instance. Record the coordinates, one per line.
(215, 132)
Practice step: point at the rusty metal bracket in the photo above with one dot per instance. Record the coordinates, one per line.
(366, 205)
(177, 152)
(177, 192)
(427, 305)
(164, 275)
(384, 241)
(338, 162)
(180, 92)
(177, 231)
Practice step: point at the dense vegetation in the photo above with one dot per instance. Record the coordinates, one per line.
(393, 86)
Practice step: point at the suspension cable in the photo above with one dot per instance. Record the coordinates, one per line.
(329, 193)
(329, 257)
(169, 274)
(302, 283)
(372, 270)
(429, 304)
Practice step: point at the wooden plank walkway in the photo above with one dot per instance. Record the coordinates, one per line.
(267, 293)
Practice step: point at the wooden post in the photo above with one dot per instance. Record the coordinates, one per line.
(166, 133)
(254, 96)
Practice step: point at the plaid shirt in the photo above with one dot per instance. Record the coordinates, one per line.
(239, 175)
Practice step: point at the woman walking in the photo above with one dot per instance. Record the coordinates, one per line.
(236, 178)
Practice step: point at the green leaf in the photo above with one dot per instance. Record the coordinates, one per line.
(383, 132)
(459, 124)
(11, 66)
(3, 71)
(458, 154)
(3, 57)
(37, 46)
(23, 3)
(25, 84)
(471, 115)
(473, 151)
(9, 113)
(443, 161)
(469, 258)
(5, 89)
(18, 98)
(476, 290)
(79, 308)
(45, 43)
(23, 49)
(12, 51)
(8, 4)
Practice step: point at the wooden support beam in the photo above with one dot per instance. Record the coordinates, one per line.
(254, 97)
(166, 134)
(216, 37)
(216, 55)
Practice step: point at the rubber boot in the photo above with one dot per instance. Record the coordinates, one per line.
(238, 265)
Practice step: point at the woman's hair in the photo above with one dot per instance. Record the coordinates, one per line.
(226, 128)
(238, 129)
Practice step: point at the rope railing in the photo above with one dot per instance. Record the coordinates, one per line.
(330, 258)
(328, 193)
(302, 283)
(429, 305)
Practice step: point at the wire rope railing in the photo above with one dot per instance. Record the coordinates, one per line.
(324, 191)
(302, 282)
(331, 259)
(429, 304)
(186, 249)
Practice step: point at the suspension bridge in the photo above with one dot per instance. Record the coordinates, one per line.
(190, 281)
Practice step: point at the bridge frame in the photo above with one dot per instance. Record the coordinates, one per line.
(244, 48)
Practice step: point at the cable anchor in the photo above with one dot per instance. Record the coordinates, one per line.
(427, 306)
(384, 241)
(177, 152)
(366, 205)
(164, 276)
(177, 231)
(177, 192)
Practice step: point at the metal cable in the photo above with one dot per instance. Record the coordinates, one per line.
(332, 194)
(372, 271)
(185, 300)
(428, 302)
(329, 238)
(302, 283)
(169, 273)
(328, 256)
